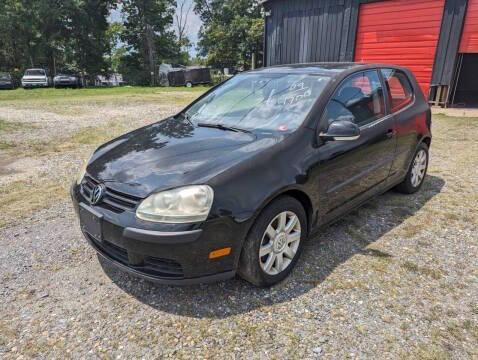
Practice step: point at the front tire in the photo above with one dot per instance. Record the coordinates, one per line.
(274, 243)
(416, 173)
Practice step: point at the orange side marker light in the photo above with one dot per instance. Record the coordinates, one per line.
(219, 253)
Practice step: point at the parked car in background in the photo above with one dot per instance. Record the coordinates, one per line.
(237, 181)
(65, 79)
(7, 81)
(36, 78)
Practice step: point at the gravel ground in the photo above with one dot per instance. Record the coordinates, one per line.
(397, 278)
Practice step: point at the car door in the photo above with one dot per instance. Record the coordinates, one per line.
(351, 168)
(406, 116)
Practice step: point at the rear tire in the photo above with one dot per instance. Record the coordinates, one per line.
(416, 173)
(189, 84)
(278, 234)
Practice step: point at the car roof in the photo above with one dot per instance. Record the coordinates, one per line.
(330, 68)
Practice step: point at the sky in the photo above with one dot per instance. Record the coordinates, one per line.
(193, 23)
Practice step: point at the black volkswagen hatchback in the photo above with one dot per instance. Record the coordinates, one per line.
(237, 181)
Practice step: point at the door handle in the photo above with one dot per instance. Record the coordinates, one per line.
(390, 133)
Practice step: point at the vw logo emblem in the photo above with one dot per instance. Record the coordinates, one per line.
(97, 194)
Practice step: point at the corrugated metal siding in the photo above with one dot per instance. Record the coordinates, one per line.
(401, 32)
(310, 31)
(469, 38)
(447, 49)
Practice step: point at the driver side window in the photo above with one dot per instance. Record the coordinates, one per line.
(359, 99)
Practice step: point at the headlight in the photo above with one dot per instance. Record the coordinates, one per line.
(182, 205)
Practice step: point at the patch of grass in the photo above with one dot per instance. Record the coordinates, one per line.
(455, 329)
(409, 266)
(88, 136)
(471, 327)
(89, 94)
(410, 229)
(343, 284)
(474, 308)
(424, 243)
(376, 253)
(21, 199)
(85, 136)
(436, 274)
(7, 331)
(380, 265)
(6, 145)
(435, 313)
(10, 125)
(451, 216)
(427, 352)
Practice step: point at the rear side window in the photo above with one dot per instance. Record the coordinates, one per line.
(359, 99)
(399, 89)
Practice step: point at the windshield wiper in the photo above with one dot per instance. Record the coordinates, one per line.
(223, 127)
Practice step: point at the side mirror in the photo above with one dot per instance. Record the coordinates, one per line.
(341, 130)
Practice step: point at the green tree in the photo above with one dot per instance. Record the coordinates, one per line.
(232, 32)
(148, 35)
(54, 34)
(118, 49)
(88, 41)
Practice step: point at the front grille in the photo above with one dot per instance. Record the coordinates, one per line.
(113, 200)
(164, 266)
(33, 81)
(154, 266)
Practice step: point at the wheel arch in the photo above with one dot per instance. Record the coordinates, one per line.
(427, 140)
(300, 195)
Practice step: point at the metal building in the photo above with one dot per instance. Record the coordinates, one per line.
(436, 39)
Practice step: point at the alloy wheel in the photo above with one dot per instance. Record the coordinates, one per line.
(419, 167)
(280, 243)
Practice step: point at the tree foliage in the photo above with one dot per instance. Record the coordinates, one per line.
(232, 32)
(148, 34)
(55, 34)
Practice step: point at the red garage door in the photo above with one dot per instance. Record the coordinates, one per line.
(469, 38)
(401, 32)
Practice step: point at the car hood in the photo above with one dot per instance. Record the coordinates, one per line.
(171, 153)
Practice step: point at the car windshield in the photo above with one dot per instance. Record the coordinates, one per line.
(35, 72)
(4, 76)
(276, 102)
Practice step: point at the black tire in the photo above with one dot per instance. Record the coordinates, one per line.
(406, 187)
(189, 84)
(249, 267)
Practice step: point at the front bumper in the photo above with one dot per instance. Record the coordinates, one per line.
(65, 83)
(34, 84)
(165, 253)
(6, 86)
